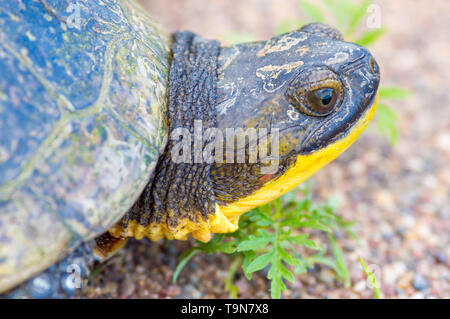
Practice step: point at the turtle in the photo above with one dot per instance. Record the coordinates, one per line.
(113, 128)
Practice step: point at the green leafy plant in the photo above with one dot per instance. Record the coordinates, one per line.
(269, 238)
(386, 117)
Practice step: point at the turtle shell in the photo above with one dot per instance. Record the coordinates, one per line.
(83, 121)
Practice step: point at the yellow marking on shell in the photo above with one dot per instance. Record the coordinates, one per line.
(226, 218)
(305, 166)
(283, 44)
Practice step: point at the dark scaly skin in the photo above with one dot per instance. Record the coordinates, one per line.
(185, 189)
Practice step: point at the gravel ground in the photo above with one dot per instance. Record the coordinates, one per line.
(399, 196)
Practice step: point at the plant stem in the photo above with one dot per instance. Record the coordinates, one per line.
(232, 289)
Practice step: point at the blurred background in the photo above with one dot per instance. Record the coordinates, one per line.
(394, 182)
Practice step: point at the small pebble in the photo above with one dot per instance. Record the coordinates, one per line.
(360, 286)
(327, 276)
(441, 257)
(420, 282)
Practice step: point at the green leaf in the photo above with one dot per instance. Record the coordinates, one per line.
(263, 233)
(227, 248)
(302, 268)
(393, 93)
(267, 237)
(312, 11)
(277, 273)
(340, 261)
(357, 16)
(98, 269)
(323, 260)
(286, 273)
(184, 258)
(314, 224)
(333, 203)
(370, 37)
(386, 121)
(233, 290)
(386, 112)
(253, 243)
(348, 228)
(249, 256)
(288, 258)
(260, 262)
(373, 281)
(276, 285)
(342, 12)
(261, 219)
(302, 240)
(213, 245)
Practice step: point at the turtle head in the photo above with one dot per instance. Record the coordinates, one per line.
(277, 112)
(309, 90)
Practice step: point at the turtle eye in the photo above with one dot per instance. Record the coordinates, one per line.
(373, 66)
(322, 101)
(316, 92)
